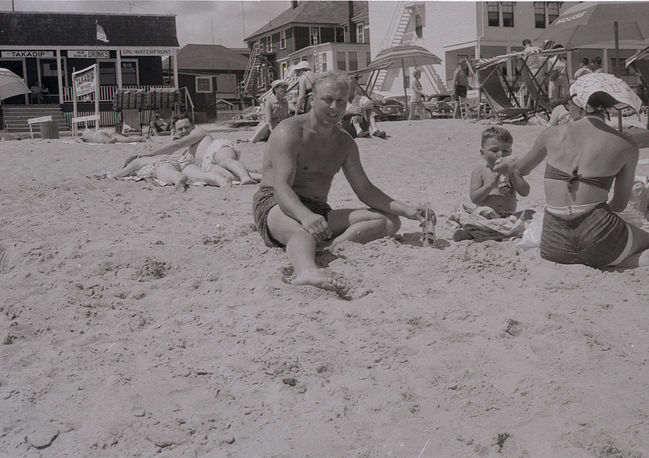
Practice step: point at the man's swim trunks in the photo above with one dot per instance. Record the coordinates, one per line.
(264, 200)
(596, 237)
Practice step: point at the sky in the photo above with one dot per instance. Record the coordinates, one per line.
(197, 22)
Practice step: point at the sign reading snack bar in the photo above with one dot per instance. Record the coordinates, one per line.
(85, 81)
(147, 52)
(88, 54)
(27, 53)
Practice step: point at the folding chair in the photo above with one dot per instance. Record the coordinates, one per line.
(536, 90)
(494, 91)
(128, 105)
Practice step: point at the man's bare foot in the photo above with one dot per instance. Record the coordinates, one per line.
(316, 277)
(182, 184)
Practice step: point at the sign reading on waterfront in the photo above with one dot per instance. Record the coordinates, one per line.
(88, 54)
(85, 81)
(147, 52)
(27, 53)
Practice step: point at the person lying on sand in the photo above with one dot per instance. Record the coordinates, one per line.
(109, 136)
(584, 161)
(300, 161)
(204, 159)
(493, 190)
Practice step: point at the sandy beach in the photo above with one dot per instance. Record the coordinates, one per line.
(140, 321)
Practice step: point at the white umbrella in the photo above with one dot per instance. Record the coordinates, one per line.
(11, 84)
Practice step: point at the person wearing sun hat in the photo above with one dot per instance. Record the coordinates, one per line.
(584, 160)
(275, 110)
(305, 78)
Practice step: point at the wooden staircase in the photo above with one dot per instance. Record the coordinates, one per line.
(16, 116)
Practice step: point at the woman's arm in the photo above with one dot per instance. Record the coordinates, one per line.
(523, 166)
(194, 137)
(624, 180)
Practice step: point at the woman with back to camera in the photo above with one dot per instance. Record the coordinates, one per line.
(585, 159)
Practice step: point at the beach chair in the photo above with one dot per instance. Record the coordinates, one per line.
(502, 105)
(537, 89)
(128, 105)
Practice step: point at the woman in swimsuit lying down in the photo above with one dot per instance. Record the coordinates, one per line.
(584, 160)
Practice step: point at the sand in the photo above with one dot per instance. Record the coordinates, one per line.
(139, 321)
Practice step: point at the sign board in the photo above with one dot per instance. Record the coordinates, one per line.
(88, 54)
(27, 53)
(147, 52)
(85, 81)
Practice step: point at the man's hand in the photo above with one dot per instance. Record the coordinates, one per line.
(317, 226)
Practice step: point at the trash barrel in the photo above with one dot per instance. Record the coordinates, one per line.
(49, 129)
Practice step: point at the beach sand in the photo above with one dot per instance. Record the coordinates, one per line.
(140, 321)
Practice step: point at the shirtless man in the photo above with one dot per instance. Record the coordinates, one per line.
(212, 160)
(301, 158)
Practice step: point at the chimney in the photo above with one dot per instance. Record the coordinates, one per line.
(294, 4)
(350, 24)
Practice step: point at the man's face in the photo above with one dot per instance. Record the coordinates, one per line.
(184, 127)
(330, 102)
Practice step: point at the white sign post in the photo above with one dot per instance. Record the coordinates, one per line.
(85, 82)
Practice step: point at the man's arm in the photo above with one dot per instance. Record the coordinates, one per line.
(369, 194)
(268, 113)
(194, 137)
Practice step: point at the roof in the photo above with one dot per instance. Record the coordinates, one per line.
(72, 29)
(210, 57)
(312, 12)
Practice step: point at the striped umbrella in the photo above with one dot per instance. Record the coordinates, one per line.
(11, 84)
(406, 55)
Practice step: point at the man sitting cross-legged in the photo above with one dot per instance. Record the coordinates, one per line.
(301, 158)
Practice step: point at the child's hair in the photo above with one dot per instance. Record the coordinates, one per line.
(499, 133)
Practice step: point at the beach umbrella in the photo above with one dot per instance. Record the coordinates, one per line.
(591, 23)
(11, 84)
(407, 56)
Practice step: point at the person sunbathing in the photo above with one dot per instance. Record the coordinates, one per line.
(109, 136)
(212, 161)
(585, 159)
(360, 115)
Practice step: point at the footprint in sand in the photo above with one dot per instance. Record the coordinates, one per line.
(4, 260)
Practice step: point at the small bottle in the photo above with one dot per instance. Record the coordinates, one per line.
(504, 185)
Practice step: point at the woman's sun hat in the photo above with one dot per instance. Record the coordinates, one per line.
(591, 83)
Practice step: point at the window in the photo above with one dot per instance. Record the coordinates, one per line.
(203, 84)
(284, 69)
(353, 61)
(107, 76)
(553, 11)
(360, 35)
(368, 58)
(129, 73)
(508, 14)
(340, 35)
(323, 61)
(419, 28)
(493, 14)
(539, 15)
(314, 34)
(340, 61)
(269, 44)
(282, 39)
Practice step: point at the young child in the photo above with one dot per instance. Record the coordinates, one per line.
(492, 190)
(488, 188)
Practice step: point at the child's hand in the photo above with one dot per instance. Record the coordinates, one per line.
(505, 165)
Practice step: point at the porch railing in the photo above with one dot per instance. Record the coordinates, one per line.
(106, 93)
